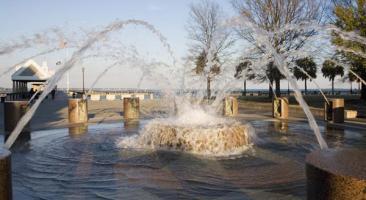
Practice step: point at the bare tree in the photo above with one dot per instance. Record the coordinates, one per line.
(210, 41)
(274, 15)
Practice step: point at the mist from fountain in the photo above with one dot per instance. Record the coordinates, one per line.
(44, 38)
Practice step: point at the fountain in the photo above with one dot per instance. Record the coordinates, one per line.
(167, 150)
(195, 132)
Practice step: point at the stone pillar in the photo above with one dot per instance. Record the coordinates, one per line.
(78, 111)
(131, 108)
(5, 174)
(334, 111)
(230, 106)
(336, 174)
(13, 112)
(280, 108)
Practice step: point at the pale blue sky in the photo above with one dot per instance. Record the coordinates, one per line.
(22, 17)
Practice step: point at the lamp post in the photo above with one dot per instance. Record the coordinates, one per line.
(83, 70)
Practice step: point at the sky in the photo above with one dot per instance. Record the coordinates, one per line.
(25, 17)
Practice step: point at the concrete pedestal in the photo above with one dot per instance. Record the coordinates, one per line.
(280, 108)
(334, 111)
(13, 112)
(336, 174)
(78, 111)
(110, 97)
(230, 106)
(5, 174)
(131, 108)
(350, 114)
(95, 97)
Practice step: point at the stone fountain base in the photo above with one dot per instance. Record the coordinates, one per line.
(5, 174)
(216, 140)
(336, 174)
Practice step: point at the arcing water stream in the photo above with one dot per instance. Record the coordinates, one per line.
(115, 26)
(262, 40)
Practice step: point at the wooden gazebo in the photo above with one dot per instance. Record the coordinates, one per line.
(30, 72)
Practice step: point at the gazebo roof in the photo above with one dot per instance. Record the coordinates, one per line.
(32, 72)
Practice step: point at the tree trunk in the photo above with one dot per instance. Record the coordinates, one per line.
(363, 92)
(359, 86)
(332, 86)
(278, 87)
(245, 88)
(208, 88)
(306, 87)
(270, 90)
(351, 88)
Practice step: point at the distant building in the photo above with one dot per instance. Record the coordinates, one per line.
(30, 72)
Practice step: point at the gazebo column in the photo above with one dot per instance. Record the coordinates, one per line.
(17, 90)
(15, 86)
(24, 87)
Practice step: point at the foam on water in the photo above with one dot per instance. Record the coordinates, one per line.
(194, 131)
